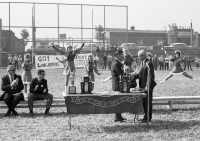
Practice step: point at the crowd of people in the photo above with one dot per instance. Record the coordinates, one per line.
(164, 62)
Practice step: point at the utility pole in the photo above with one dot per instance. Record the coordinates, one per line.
(191, 35)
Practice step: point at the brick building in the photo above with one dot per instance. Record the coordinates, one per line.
(12, 45)
(150, 37)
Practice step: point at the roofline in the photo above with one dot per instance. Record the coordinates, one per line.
(141, 31)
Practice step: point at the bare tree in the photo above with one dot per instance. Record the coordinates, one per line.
(99, 33)
(172, 33)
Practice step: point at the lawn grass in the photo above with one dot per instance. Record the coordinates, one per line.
(180, 124)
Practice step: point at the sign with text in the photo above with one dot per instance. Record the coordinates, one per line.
(51, 61)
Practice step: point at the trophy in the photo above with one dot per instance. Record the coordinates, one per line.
(125, 81)
(72, 88)
(86, 85)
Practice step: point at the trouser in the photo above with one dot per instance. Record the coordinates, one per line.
(109, 65)
(12, 100)
(104, 65)
(166, 66)
(184, 65)
(150, 104)
(155, 66)
(189, 66)
(33, 97)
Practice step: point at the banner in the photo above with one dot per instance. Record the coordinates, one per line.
(50, 61)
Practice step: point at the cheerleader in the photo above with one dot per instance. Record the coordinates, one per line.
(90, 68)
(177, 69)
(26, 74)
(70, 66)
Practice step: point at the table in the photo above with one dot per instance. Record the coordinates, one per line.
(104, 104)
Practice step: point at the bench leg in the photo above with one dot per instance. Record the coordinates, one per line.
(170, 107)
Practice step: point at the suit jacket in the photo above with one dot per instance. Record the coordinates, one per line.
(41, 86)
(143, 75)
(6, 85)
(116, 71)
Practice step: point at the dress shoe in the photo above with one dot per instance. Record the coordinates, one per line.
(7, 113)
(31, 114)
(15, 113)
(47, 113)
(144, 120)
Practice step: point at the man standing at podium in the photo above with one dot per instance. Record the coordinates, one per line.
(116, 71)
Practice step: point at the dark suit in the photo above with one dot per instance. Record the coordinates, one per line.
(143, 82)
(116, 71)
(8, 96)
(39, 94)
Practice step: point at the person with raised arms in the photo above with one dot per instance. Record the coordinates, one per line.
(69, 56)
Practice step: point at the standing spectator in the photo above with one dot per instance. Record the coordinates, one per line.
(20, 62)
(161, 62)
(167, 62)
(128, 59)
(184, 62)
(10, 59)
(104, 61)
(170, 63)
(90, 68)
(26, 74)
(109, 58)
(39, 91)
(155, 62)
(96, 58)
(15, 62)
(197, 61)
(189, 63)
(12, 86)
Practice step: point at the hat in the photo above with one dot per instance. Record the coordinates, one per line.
(10, 67)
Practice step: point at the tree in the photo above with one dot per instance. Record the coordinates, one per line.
(24, 33)
(99, 33)
(172, 33)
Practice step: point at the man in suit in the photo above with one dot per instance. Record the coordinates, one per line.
(39, 91)
(12, 86)
(116, 71)
(146, 77)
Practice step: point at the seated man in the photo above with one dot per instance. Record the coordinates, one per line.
(12, 86)
(39, 91)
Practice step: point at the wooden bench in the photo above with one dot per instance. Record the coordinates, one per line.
(170, 100)
(37, 104)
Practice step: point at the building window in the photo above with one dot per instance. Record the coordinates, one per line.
(3, 42)
(140, 42)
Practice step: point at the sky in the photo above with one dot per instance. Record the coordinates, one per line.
(142, 14)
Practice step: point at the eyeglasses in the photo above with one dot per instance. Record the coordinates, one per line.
(43, 74)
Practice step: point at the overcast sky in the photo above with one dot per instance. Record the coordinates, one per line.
(143, 14)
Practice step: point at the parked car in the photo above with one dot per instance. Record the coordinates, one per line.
(146, 47)
(178, 46)
(130, 46)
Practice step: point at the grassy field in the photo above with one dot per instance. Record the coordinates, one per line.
(180, 124)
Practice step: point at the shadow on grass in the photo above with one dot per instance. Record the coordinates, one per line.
(155, 126)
